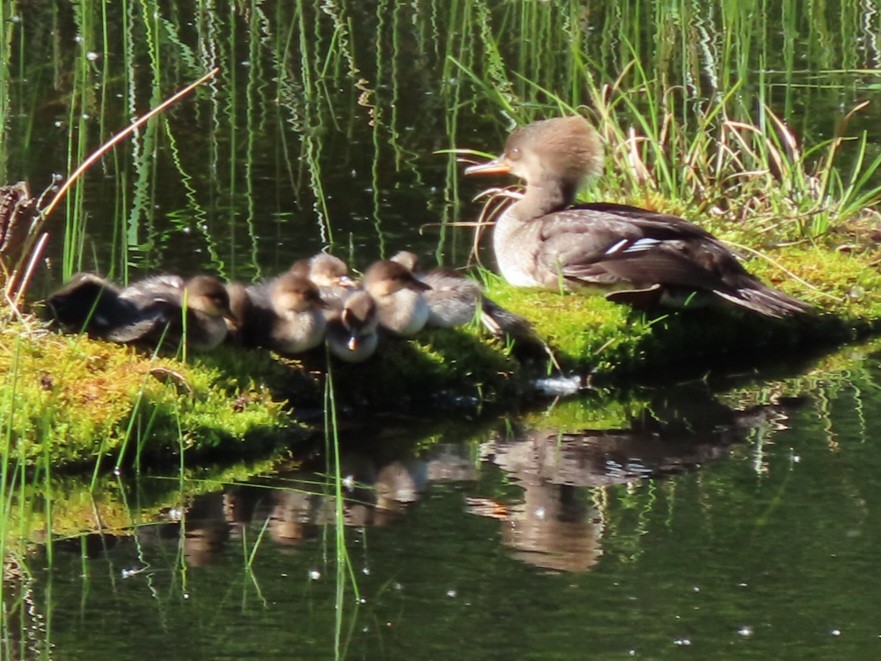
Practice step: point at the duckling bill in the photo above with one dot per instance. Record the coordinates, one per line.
(634, 255)
(351, 333)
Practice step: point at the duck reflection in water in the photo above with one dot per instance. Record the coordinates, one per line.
(559, 523)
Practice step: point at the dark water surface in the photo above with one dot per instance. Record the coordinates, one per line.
(322, 126)
(731, 520)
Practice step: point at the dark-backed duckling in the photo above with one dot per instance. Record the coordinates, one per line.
(640, 257)
(170, 309)
(89, 303)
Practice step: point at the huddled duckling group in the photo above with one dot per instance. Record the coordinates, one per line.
(634, 256)
(312, 303)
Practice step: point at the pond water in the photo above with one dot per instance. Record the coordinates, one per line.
(731, 519)
(719, 518)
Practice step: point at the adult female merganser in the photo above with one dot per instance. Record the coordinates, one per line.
(640, 257)
(398, 294)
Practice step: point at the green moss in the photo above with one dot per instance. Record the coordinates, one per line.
(68, 400)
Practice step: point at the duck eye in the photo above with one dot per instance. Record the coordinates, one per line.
(514, 153)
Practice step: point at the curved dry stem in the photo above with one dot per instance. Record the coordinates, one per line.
(36, 230)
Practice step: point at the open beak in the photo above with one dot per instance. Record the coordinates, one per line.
(496, 166)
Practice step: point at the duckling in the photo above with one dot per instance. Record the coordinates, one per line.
(170, 309)
(398, 294)
(330, 274)
(286, 315)
(351, 333)
(455, 300)
(89, 303)
(241, 305)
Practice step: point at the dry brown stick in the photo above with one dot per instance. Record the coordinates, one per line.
(37, 227)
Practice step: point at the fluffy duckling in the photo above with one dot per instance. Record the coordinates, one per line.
(455, 300)
(286, 315)
(89, 303)
(241, 305)
(171, 309)
(398, 294)
(351, 333)
(330, 274)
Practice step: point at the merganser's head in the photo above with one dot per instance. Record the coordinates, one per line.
(564, 149)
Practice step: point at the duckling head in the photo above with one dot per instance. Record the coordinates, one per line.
(359, 317)
(292, 294)
(386, 277)
(324, 270)
(407, 259)
(206, 294)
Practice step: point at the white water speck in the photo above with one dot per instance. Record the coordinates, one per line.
(452, 594)
(682, 642)
(696, 589)
(558, 385)
(91, 56)
(314, 574)
(835, 632)
(366, 571)
(745, 631)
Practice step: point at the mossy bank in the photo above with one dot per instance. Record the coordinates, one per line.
(67, 399)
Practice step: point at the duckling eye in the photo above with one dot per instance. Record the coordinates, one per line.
(514, 153)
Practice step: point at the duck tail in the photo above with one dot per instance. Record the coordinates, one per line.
(767, 301)
(504, 323)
